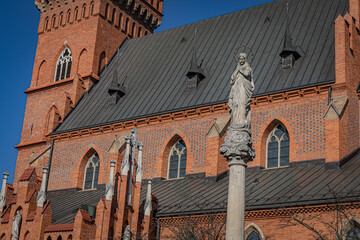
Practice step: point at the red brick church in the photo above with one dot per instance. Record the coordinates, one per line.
(123, 127)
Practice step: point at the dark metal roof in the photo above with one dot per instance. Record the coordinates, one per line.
(154, 67)
(309, 183)
(66, 203)
(303, 184)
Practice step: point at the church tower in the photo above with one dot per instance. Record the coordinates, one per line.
(76, 40)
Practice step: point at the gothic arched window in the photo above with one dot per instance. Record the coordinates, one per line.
(107, 11)
(120, 21)
(68, 15)
(92, 172)
(61, 19)
(133, 30)
(113, 15)
(53, 23)
(83, 11)
(76, 14)
(63, 65)
(46, 24)
(353, 234)
(91, 8)
(126, 25)
(177, 160)
(278, 144)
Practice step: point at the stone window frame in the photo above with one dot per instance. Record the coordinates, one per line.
(348, 225)
(252, 227)
(63, 60)
(179, 152)
(279, 140)
(95, 165)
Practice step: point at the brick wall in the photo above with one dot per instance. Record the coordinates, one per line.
(303, 118)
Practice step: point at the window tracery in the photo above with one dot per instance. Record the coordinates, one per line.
(177, 160)
(92, 172)
(278, 147)
(63, 65)
(353, 233)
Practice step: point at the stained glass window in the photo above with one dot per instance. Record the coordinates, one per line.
(253, 236)
(177, 160)
(92, 172)
(353, 234)
(63, 65)
(278, 145)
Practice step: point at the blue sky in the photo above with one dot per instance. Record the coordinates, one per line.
(19, 40)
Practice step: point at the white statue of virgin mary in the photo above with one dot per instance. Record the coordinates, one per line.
(242, 88)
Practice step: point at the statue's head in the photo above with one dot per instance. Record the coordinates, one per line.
(242, 58)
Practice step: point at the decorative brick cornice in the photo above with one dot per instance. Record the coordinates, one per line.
(143, 121)
(26, 144)
(66, 81)
(269, 213)
(298, 93)
(60, 228)
(50, 85)
(194, 112)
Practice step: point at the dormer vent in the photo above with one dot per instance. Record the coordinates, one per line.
(195, 74)
(115, 91)
(289, 54)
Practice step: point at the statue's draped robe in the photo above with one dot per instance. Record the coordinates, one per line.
(240, 94)
(15, 231)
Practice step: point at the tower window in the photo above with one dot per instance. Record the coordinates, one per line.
(133, 30)
(126, 25)
(76, 14)
(92, 172)
(107, 11)
(91, 8)
(63, 65)
(68, 15)
(278, 145)
(53, 21)
(177, 160)
(120, 21)
(113, 15)
(139, 32)
(61, 18)
(46, 24)
(83, 11)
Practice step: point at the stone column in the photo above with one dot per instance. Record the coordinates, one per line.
(109, 192)
(148, 203)
(3, 192)
(41, 197)
(237, 149)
